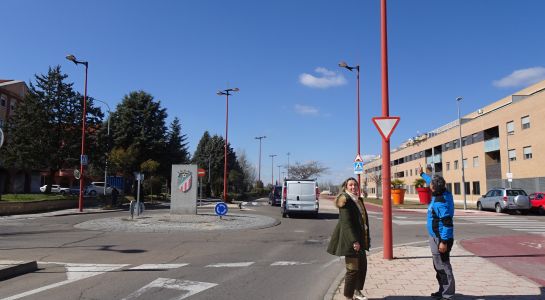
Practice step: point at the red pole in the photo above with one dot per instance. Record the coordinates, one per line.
(225, 150)
(386, 200)
(358, 99)
(82, 178)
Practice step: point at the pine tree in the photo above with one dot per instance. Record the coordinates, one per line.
(176, 146)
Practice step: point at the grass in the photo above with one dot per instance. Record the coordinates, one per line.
(411, 204)
(33, 197)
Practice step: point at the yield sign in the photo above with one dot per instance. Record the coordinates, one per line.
(386, 126)
(185, 288)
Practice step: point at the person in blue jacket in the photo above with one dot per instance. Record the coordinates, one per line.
(441, 231)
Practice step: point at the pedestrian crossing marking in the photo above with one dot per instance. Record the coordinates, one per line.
(158, 266)
(510, 222)
(288, 263)
(231, 265)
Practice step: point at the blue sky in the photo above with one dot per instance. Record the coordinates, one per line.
(283, 56)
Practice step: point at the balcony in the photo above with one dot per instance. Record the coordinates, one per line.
(492, 145)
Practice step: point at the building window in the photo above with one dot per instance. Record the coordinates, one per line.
(411, 172)
(465, 163)
(525, 122)
(475, 161)
(3, 100)
(527, 152)
(457, 188)
(476, 188)
(510, 127)
(466, 188)
(448, 166)
(455, 165)
(512, 155)
(454, 144)
(464, 141)
(449, 187)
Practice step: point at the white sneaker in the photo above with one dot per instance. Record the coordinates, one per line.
(358, 295)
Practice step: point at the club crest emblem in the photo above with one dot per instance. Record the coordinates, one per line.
(184, 181)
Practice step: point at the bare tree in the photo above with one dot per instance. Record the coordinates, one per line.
(377, 180)
(248, 170)
(307, 170)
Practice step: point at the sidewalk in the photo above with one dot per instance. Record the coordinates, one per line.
(410, 275)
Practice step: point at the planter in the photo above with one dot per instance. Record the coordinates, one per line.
(424, 194)
(398, 196)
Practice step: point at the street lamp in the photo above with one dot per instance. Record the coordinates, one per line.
(288, 154)
(279, 174)
(106, 159)
(272, 168)
(461, 151)
(226, 92)
(259, 168)
(508, 158)
(73, 59)
(343, 64)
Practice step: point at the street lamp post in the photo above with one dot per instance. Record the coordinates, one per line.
(279, 173)
(259, 168)
(508, 158)
(288, 154)
(226, 92)
(106, 160)
(272, 168)
(73, 59)
(461, 151)
(343, 64)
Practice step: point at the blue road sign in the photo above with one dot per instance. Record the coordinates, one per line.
(84, 160)
(221, 209)
(358, 167)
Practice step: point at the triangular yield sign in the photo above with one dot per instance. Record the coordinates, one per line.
(386, 126)
(358, 158)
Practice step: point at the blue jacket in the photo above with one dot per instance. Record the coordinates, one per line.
(440, 214)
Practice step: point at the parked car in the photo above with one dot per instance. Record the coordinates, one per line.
(300, 196)
(275, 195)
(505, 199)
(97, 188)
(537, 200)
(55, 188)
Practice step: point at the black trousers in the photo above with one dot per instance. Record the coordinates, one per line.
(356, 270)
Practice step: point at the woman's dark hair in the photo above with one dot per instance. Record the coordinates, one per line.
(439, 185)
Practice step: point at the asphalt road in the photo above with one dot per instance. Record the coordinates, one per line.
(287, 261)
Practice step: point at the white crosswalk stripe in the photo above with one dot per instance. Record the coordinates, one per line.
(509, 222)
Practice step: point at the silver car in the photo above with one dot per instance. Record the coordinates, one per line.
(505, 199)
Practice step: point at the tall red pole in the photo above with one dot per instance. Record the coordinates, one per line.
(225, 150)
(358, 99)
(82, 177)
(386, 200)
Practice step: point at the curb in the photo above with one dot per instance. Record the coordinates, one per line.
(16, 268)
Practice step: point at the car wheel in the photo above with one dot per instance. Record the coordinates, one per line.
(92, 193)
(63, 193)
(523, 212)
(498, 208)
(541, 210)
(479, 206)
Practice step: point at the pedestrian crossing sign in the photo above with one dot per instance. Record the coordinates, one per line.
(358, 167)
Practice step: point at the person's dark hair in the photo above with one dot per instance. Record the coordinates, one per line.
(439, 185)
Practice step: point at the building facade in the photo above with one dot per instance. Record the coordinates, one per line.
(500, 141)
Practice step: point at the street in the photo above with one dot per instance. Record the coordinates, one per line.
(287, 261)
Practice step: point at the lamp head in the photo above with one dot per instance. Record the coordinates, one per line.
(459, 99)
(71, 58)
(343, 64)
(220, 93)
(234, 89)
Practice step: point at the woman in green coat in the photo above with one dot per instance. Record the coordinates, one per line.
(351, 238)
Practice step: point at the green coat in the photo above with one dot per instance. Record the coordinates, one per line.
(350, 228)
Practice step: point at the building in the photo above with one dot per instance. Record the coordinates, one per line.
(501, 140)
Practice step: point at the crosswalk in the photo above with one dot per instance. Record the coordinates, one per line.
(518, 224)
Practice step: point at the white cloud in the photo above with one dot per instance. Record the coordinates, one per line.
(522, 77)
(327, 79)
(306, 110)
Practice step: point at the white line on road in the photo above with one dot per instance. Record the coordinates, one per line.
(189, 288)
(231, 265)
(158, 266)
(288, 263)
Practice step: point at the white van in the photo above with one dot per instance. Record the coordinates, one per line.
(300, 196)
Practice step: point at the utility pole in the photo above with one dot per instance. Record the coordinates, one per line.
(259, 165)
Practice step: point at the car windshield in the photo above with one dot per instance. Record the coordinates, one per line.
(513, 193)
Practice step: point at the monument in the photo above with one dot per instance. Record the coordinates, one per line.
(183, 195)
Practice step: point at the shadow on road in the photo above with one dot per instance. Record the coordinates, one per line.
(470, 297)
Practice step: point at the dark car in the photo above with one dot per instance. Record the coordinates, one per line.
(275, 195)
(538, 202)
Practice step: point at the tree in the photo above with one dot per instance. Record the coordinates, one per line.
(149, 167)
(248, 171)
(307, 170)
(45, 130)
(139, 123)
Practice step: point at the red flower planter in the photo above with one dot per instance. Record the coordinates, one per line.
(424, 194)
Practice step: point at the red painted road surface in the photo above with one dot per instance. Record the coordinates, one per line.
(522, 254)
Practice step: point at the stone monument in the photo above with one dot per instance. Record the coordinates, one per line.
(183, 195)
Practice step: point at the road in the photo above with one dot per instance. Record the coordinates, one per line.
(287, 261)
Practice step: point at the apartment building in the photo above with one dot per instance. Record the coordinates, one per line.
(503, 140)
